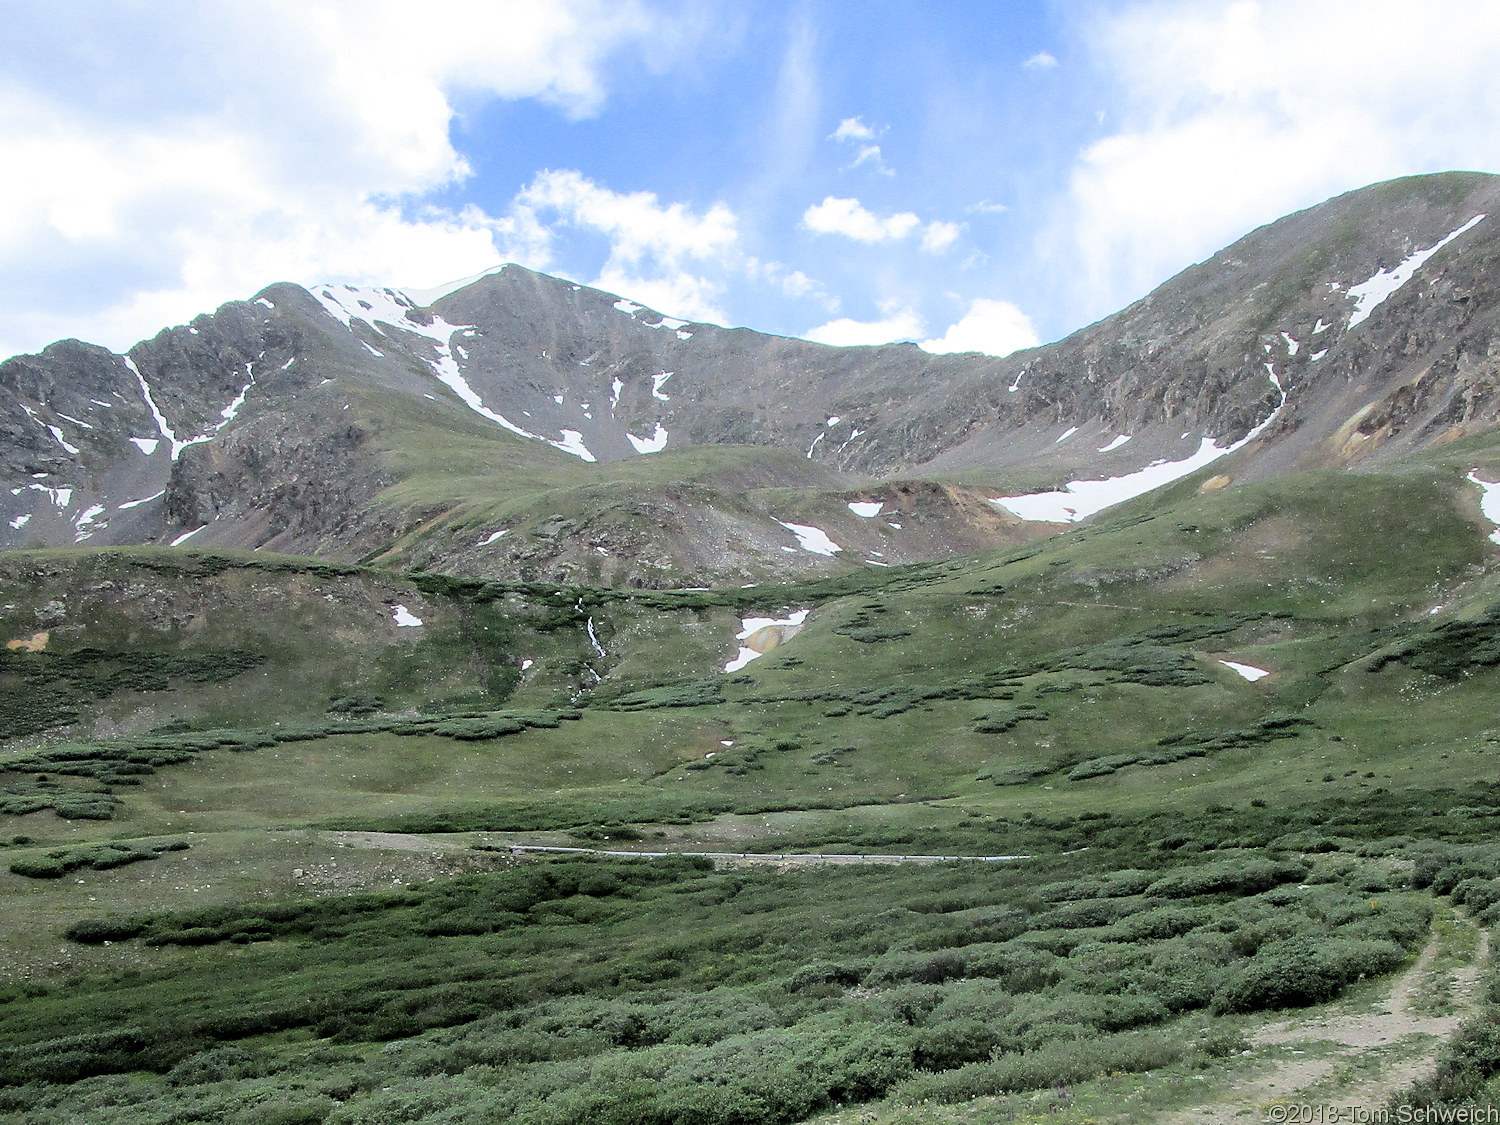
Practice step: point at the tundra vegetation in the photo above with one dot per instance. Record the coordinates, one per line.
(257, 858)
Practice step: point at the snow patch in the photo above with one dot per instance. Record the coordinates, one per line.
(143, 500)
(161, 419)
(1291, 344)
(1318, 355)
(61, 497)
(99, 402)
(812, 539)
(629, 308)
(62, 441)
(228, 413)
(1368, 295)
(1118, 441)
(616, 385)
(749, 627)
(494, 536)
(20, 521)
(75, 421)
(657, 382)
(653, 444)
(572, 442)
(814, 444)
(1249, 671)
(525, 664)
(668, 323)
(404, 618)
(1016, 386)
(146, 445)
(866, 508)
(373, 351)
(1320, 327)
(593, 638)
(263, 301)
(288, 363)
(181, 539)
(1082, 498)
(348, 303)
(681, 335)
(833, 421)
(1489, 503)
(1066, 434)
(558, 398)
(81, 525)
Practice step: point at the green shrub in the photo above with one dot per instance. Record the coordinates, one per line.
(1235, 876)
(952, 1043)
(1061, 1063)
(96, 931)
(1304, 970)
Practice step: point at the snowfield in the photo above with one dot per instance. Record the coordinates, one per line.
(812, 539)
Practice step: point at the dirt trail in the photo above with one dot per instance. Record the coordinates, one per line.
(410, 842)
(1358, 1037)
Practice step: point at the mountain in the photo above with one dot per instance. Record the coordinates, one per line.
(358, 424)
(1184, 633)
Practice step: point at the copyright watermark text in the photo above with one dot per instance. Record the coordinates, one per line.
(1309, 1113)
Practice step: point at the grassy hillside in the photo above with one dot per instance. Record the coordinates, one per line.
(257, 866)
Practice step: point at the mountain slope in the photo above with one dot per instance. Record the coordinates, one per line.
(355, 424)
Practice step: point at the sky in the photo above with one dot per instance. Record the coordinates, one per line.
(974, 175)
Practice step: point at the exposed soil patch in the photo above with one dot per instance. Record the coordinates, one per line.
(1355, 1059)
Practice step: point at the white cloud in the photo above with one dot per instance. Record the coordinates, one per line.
(898, 324)
(937, 236)
(639, 226)
(852, 219)
(853, 129)
(992, 327)
(1235, 113)
(849, 218)
(798, 284)
(280, 141)
(791, 283)
(870, 154)
(656, 251)
(1042, 60)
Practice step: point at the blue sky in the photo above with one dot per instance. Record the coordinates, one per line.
(968, 175)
